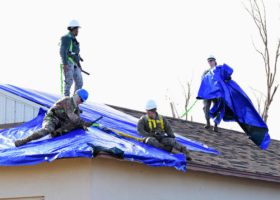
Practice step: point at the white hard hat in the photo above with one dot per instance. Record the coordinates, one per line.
(73, 23)
(211, 57)
(151, 104)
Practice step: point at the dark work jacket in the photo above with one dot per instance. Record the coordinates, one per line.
(65, 48)
(144, 129)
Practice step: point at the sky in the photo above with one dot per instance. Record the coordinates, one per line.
(137, 50)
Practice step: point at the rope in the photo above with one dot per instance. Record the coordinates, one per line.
(127, 136)
(61, 80)
(185, 113)
(117, 132)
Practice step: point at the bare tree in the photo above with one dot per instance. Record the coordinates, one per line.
(257, 11)
(172, 106)
(173, 110)
(187, 95)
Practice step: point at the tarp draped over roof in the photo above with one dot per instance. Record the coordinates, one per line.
(80, 143)
(233, 104)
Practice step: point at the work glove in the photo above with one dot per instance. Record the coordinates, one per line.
(88, 124)
(85, 128)
(145, 141)
(160, 135)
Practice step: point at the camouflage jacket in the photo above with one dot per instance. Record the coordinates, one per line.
(66, 110)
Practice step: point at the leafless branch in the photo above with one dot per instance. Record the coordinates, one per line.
(257, 11)
(187, 94)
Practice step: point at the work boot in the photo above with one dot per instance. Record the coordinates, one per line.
(187, 153)
(207, 125)
(215, 128)
(19, 143)
(34, 136)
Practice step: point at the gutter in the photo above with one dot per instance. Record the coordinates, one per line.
(232, 172)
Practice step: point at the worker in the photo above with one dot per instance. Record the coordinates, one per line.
(157, 131)
(61, 118)
(69, 52)
(207, 102)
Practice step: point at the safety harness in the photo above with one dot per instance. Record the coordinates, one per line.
(153, 124)
(71, 50)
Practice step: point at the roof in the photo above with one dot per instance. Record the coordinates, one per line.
(236, 155)
(239, 156)
(89, 143)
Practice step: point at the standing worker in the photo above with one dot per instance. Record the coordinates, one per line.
(207, 102)
(61, 118)
(69, 52)
(158, 132)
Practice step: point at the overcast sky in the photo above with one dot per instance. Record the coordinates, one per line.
(137, 50)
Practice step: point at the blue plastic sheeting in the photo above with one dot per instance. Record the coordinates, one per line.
(232, 104)
(80, 143)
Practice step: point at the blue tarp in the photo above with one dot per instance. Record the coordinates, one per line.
(232, 104)
(80, 143)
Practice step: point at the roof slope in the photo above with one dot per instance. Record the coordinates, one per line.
(80, 143)
(239, 155)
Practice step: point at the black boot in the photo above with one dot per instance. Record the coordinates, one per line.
(185, 151)
(181, 148)
(215, 128)
(207, 125)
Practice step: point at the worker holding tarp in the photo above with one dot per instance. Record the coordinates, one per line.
(207, 102)
(61, 118)
(233, 104)
(69, 52)
(158, 132)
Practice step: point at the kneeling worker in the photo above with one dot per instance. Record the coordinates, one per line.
(158, 132)
(61, 118)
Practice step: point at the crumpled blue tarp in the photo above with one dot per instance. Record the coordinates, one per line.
(233, 104)
(80, 143)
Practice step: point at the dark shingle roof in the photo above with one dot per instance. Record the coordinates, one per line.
(239, 155)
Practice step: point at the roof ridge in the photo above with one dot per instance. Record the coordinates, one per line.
(176, 119)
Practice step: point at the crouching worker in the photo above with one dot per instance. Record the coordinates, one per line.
(61, 118)
(158, 132)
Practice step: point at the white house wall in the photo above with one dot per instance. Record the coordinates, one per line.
(67, 179)
(125, 181)
(107, 179)
(15, 109)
